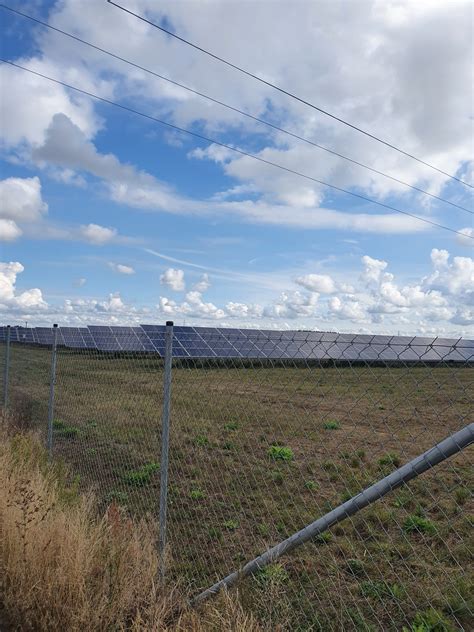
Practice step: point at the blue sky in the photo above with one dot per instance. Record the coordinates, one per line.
(107, 217)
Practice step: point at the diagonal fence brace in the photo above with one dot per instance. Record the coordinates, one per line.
(429, 459)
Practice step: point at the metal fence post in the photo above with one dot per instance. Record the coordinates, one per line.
(52, 384)
(6, 371)
(165, 430)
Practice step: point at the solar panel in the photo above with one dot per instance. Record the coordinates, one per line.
(214, 342)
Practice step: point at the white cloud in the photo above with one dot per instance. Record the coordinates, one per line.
(174, 279)
(322, 283)
(97, 235)
(293, 305)
(10, 298)
(121, 268)
(203, 284)
(9, 230)
(80, 282)
(456, 278)
(21, 200)
(467, 237)
(348, 310)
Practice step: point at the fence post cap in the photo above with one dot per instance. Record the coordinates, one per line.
(55, 325)
(8, 326)
(169, 323)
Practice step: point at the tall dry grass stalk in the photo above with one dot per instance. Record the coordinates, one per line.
(64, 568)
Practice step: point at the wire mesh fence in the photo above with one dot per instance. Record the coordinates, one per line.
(269, 431)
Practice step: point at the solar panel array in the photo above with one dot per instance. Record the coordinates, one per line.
(214, 342)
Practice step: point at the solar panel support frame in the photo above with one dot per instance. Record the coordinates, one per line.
(165, 430)
(52, 384)
(6, 370)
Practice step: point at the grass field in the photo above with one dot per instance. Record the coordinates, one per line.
(258, 453)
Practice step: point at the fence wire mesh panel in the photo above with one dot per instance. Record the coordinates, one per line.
(268, 432)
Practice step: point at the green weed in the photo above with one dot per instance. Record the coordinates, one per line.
(197, 494)
(391, 459)
(142, 475)
(417, 524)
(331, 425)
(280, 453)
(430, 621)
(231, 525)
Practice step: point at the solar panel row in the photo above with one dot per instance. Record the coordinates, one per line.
(213, 342)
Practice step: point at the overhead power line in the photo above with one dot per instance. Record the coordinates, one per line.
(230, 148)
(234, 109)
(287, 93)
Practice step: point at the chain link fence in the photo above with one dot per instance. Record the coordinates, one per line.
(270, 431)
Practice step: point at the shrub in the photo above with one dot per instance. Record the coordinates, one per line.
(280, 453)
(311, 485)
(417, 524)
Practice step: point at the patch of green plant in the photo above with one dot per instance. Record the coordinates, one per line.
(117, 496)
(332, 424)
(323, 538)
(202, 441)
(214, 533)
(311, 485)
(232, 425)
(263, 529)
(280, 453)
(197, 494)
(231, 525)
(355, 567)
(142, 475)
(274, 574)
(377, 589)
(418, 524)
(462, 495)
(391, 459)
(358, 621)
(228, 446)
(277, 477)
(430, 620)
(360, 454)
(62, 430)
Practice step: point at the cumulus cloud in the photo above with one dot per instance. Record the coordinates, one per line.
(97, 235)
(21, 200)
(322, 283)
(9, 230)
(10, 298)
(174, 279)
(203, 284)
(121, 268)
(467, 237)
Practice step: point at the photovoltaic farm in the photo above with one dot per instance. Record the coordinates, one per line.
(269, 431)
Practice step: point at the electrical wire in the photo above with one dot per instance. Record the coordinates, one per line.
(233, 108)
(234, 149)
(287, 93)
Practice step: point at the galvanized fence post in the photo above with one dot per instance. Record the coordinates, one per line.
(52, 384)
(165, 430)
(6, 371)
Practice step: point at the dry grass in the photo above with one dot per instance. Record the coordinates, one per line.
(63, 568)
